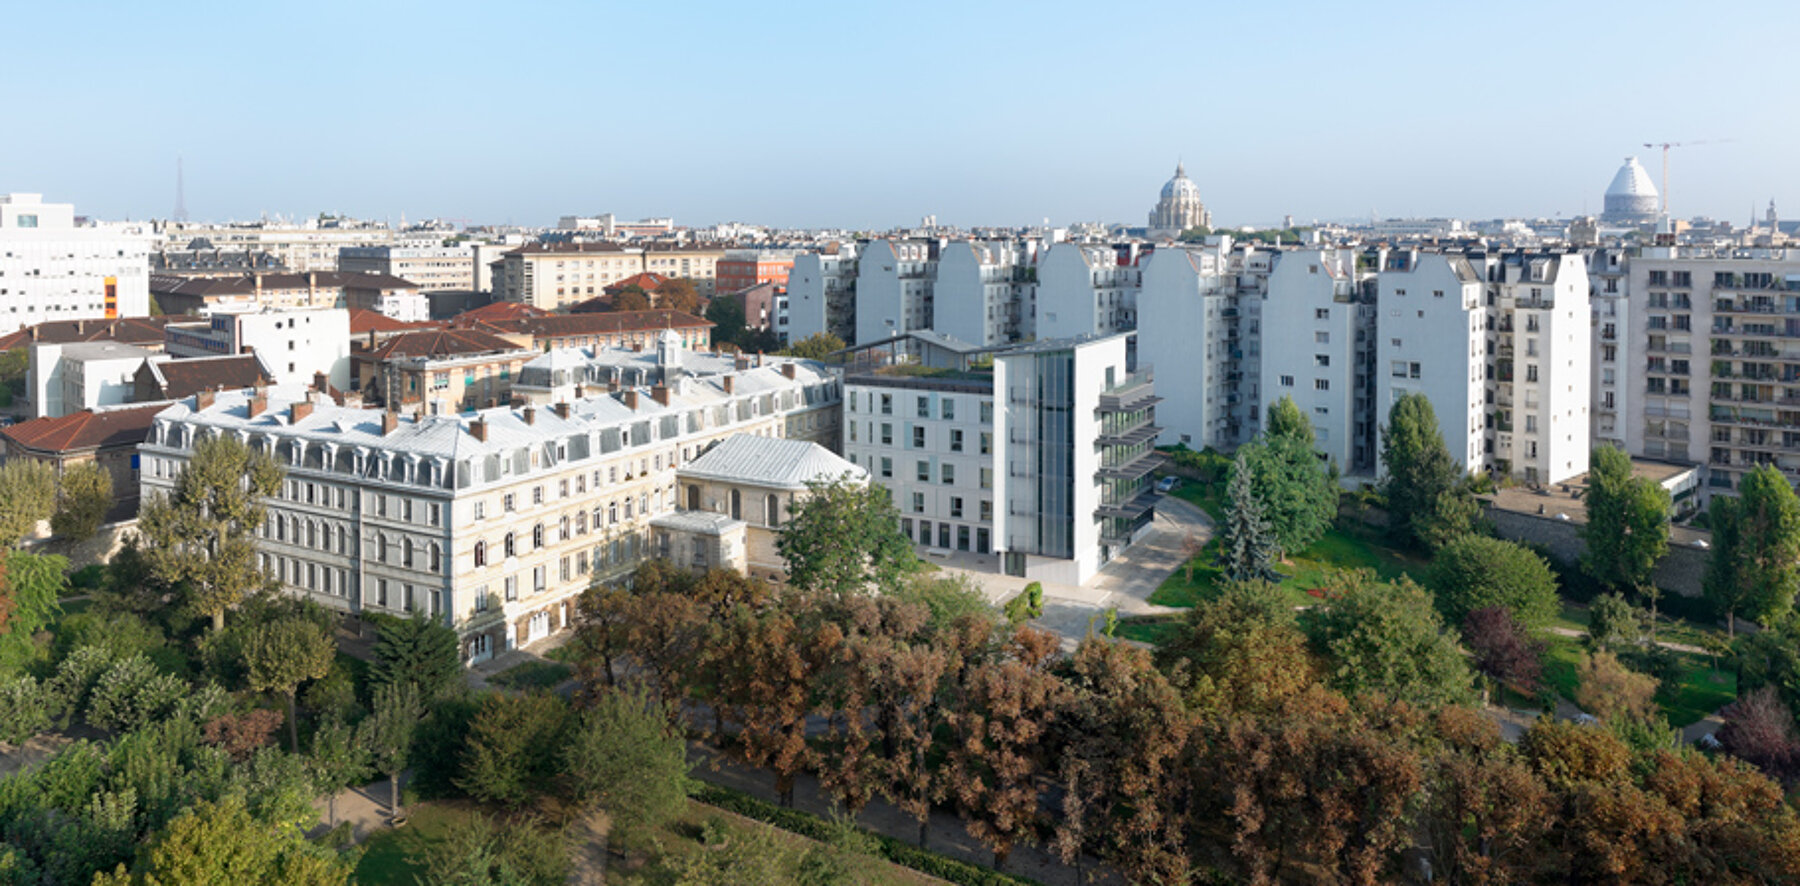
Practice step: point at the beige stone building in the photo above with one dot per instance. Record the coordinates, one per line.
(553, 276)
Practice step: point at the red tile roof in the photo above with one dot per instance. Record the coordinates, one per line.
(125, 330)
(364, 321)
(493, 312)
(85, 429)
(184, 378)
(649, 281)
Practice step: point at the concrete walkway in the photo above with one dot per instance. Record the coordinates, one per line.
(365, 808)
(1125, 583)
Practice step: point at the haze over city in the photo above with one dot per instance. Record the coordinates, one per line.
(872, 116)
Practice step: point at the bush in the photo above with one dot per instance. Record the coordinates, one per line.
(904, 854)
(1029, 604)
(1474, 572)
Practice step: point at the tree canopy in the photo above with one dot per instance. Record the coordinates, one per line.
(727, 316)
(27, 496)
(202, 535)
(1627, 529)
(1474, 572)
(30, 585)
(1756, 542)
(844, 537)
(1389, 640)
(84, 493)
(1298, 493)
(1247, 542)
(284, 653)
(815, 347)
(223, 843)
(418, 652)
(1420, 470)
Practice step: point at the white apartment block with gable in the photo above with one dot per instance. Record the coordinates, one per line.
(1083, 290)
(821, 295)
(980, 295)
(54, 269)
(1611, 379)
(1188, 334)
(1321, 318)
(1542, 351)
(1432, 340)
(894, 289)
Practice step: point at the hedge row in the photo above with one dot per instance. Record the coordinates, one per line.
(808, 825)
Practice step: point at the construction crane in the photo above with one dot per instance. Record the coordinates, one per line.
(1665, 160)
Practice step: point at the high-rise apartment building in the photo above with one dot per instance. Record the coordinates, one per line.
(54, 269)
(983, 294)
(894, 284)
(822, 293)
(1321, 311)
(1086, 290)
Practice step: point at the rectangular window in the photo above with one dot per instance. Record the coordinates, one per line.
(1321, 338)
(924, 407)
(1320, 384)
(987, 478)
(918, 503)
(947, 407)
(949, 473)
(987, 412)
(918, 441)
(1287, 381)
(887, 434)
(924, 472)
(1325, 313)
(956, 507)
(987, 443)
(887, 466)
(956, 438)
(887, 404)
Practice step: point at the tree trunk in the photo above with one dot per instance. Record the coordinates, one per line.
(784, 789)
(293, 726)
(218, 621)
(1731, 624)
(924, 826)
(1000, 856)
(393, 795)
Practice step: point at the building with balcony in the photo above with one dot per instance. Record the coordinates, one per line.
(984, 292)
(1323, 303)
(1191, 316)
(822, 294)
(1432, 340)
(1042, 462)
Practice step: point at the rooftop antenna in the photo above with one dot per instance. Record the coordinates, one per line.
(180, 193)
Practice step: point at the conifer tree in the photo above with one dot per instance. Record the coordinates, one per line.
(1247, 541)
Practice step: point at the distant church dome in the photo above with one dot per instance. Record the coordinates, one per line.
(1180, 207)
(1632, 197)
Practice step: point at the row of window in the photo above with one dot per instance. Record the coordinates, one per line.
(609, 514)
(884, 405)
(920, 437)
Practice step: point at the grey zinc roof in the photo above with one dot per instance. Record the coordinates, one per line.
(773, 462)
(696, 522)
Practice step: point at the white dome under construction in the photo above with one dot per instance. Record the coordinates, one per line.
(1632, 197)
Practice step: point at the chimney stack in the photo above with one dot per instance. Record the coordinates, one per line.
(202, 400)
(612, 385)
(530, 415)
(390, 420)
(259, 403)
(299, 410)
(478, 429)
(319, 382)
(80, 327)
(562, 409)
(660, 393)
(788, 370)
(631, 399)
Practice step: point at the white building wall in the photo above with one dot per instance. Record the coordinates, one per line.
(1445, 335)
(295, 344)
(1316, 323)
(1610, 381)
(51, 269)
(939, 460)
(893, 289)
(1183, 336)
(1082, 290)
(1550, 437)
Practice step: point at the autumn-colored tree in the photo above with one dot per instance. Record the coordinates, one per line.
(1607, 688)
(601, 636)
(239, 735)
(720, 590)
(773, 692)
(1240, 651)
(631, 298)
(1123, 734)
(845, 755)
(1759, 729)
(1502, 650)
(202, 535)
(679, 294)
(905, 684)
(1002, 713)
(1488, 808)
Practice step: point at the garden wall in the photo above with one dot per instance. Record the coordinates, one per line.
(1681, 571)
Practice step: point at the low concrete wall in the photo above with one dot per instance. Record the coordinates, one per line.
(1682, 571)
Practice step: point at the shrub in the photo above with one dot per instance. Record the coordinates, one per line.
(1474, 572)
(1029, 604)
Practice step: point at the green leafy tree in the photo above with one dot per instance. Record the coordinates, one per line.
(1389, 639)
(1298, 493)
(623, 756)
(83, 495)
(223, 843)
(132, 694)
(203, 535)
(512, 745)
(1453, 514)
(815, 347)
(1241, 651)
(1475, 572)
(1247, 541)
(29, 587)
(27, 707)
(418, 651)
(389, 733)
(475, 850)
(284, 653)
(1419, 467)
(1756, 543)
(946, 598)
(27, 497)
(1613, 623)
(337, 760)
(844, 537)
(1627, 528)
(727, 316)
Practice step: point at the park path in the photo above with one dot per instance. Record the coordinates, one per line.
(1561, 631)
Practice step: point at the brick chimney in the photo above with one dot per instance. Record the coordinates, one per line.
(390, 420)
(299, 410)
(259, 403)
(202, 400)
(612, 385)
(660, 393)
(631, 399)
(788, 370)
(320, 382)
(727, 381)
(561, 409)
(478, 429)
(530, 415)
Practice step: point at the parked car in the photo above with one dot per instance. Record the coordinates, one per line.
(1168, 484)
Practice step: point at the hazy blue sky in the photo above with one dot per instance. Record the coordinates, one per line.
(870, 115)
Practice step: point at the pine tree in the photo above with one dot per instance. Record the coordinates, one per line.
(1247, 541)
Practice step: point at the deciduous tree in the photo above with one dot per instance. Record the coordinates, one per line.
(631, 298)
(1389, 640)
(1298, 493)
(727, 316)
(222, 843)
(1241, 651)
(1627, 529)
(512, 747)
(844, 537)
(624, 755)
(389, 733)
(27, 497)
(1419, 466)
(83, 494)
(29, 587)
(202, 535)
(815, 347)
(1756, 542)
(1607, 688)
(1474, 572)
(1759, 729)
(1503, 650)
(283, 654)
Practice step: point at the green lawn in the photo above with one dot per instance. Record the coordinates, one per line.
(1343, 547)
(388, 856)
(532, 675)
(1152, 629)
(1699, 691)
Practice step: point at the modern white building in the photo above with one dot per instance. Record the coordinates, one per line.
(312, 245)
(1611, 378)
(1086, 290)
(1432, 339)
(983, 294)
(1188, 306)
(494, 521)
(1043, 462)
(821, 294)
(1542, 360)
(52, 268)
(894, 283)
(67, 378)
(293, 344)
(1321, 308)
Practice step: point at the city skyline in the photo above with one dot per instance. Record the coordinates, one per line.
(833, 117)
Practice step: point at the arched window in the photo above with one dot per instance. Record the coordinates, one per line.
(437, 557)
(562, 529)
(280, 528)
(537, 536)
(772, 511)
(343, 541)
(737, 505)
(480, 554)
(511, 546)
(407, 554)
(612, 512)
(381, 551)
(312, 534)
